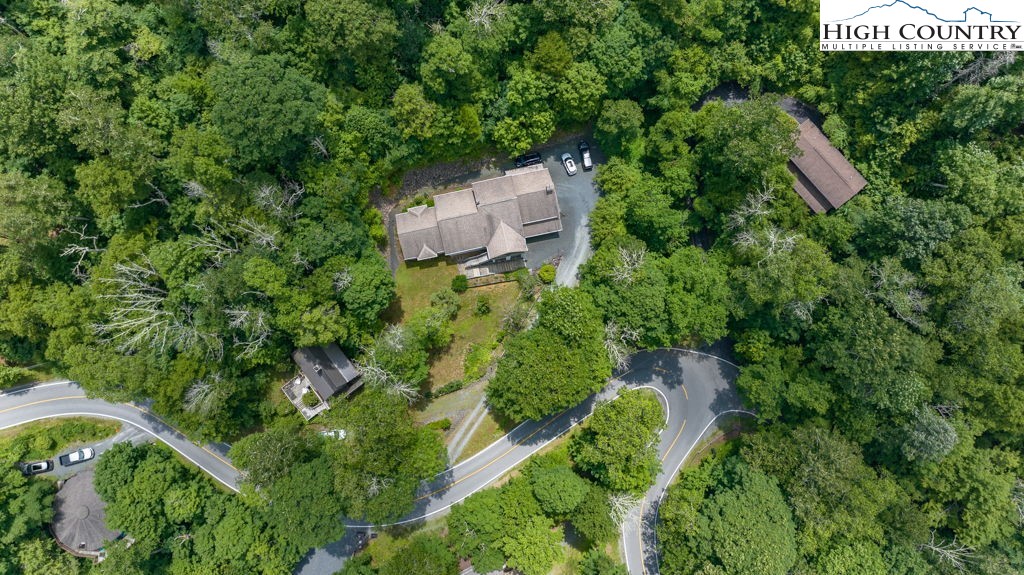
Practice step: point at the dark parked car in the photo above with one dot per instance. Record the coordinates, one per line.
(83, 454)
(36, 467)
(528, 159)
(584, 147)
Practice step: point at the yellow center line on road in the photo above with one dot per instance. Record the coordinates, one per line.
(640, 536)
(42, 401)
(492, 461)
(203, 447)
(673, 444)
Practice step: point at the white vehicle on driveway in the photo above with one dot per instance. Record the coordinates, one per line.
(83, 454)
(569, 163)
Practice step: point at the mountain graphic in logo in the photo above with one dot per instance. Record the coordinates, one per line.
(973, 14)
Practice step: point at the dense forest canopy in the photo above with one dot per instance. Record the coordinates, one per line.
(186, 197)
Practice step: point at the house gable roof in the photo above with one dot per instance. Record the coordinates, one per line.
(505, 241)
(825, 179)
(523, 200)
(328, 370)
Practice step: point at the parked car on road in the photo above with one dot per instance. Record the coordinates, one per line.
(36, 467)
(570, 165)
(528, 159)
(584, 147)
(75, 457)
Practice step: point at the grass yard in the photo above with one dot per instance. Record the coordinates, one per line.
(43, 439)
(415, 282)
(472, 330)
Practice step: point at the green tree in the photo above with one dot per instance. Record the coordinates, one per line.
(595, 562)
(558, 490)
(618, 446)
(533, 548)
(265, 109)
(541, 374)
(619, 126)
(426, 553)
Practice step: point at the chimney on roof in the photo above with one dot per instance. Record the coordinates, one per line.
(318, 369)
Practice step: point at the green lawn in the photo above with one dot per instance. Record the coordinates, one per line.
(415, 281)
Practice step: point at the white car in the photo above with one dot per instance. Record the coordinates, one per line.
(83, 454)
(570, 165)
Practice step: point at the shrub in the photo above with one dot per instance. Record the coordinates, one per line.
(483, 305)
(546, 273)
(477, 359)
(440, 425)
(460, 284)
(309, 399)
(446, 299)
(450, 387)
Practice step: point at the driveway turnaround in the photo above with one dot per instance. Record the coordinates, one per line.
(67, 399)
(694, 388)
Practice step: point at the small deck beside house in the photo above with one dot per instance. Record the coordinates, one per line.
(323, 372)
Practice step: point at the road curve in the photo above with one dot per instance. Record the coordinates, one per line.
(694, 386)
(67, 399)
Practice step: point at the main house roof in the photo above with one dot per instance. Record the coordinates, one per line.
(496, 215)
(327, 369)
(824, 178)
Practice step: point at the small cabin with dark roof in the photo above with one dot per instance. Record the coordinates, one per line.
(825, 179)
(324, 372)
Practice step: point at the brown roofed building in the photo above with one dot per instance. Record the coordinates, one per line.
(824, 178)
(494, 216)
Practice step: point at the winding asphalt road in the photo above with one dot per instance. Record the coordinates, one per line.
(694, 388)
(66, 399)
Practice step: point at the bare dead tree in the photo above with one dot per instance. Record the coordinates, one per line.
(946, 411)
(5, 22)
(619, 343)
(87, 245)
(771, 242)
(260, 234)
(1018, 501)
(982, 68)
(158, 197)
(803, 310)
(139, 319)
(299, 260)
(755, 206)
(897, 289)
(376, 484)
(484, 13)
(320, 147)
(952, 553)
(631, 259)
(217, 241)
(374, 374)
(194, 190)
(623, 507)
(341, 280)
(204, 394)
(520, 316)
(255, 331)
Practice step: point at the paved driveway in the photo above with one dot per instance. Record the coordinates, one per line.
(576, 199)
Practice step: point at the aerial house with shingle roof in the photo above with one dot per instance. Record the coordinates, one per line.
(323, 372)
(824, 178)
(486, 223)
